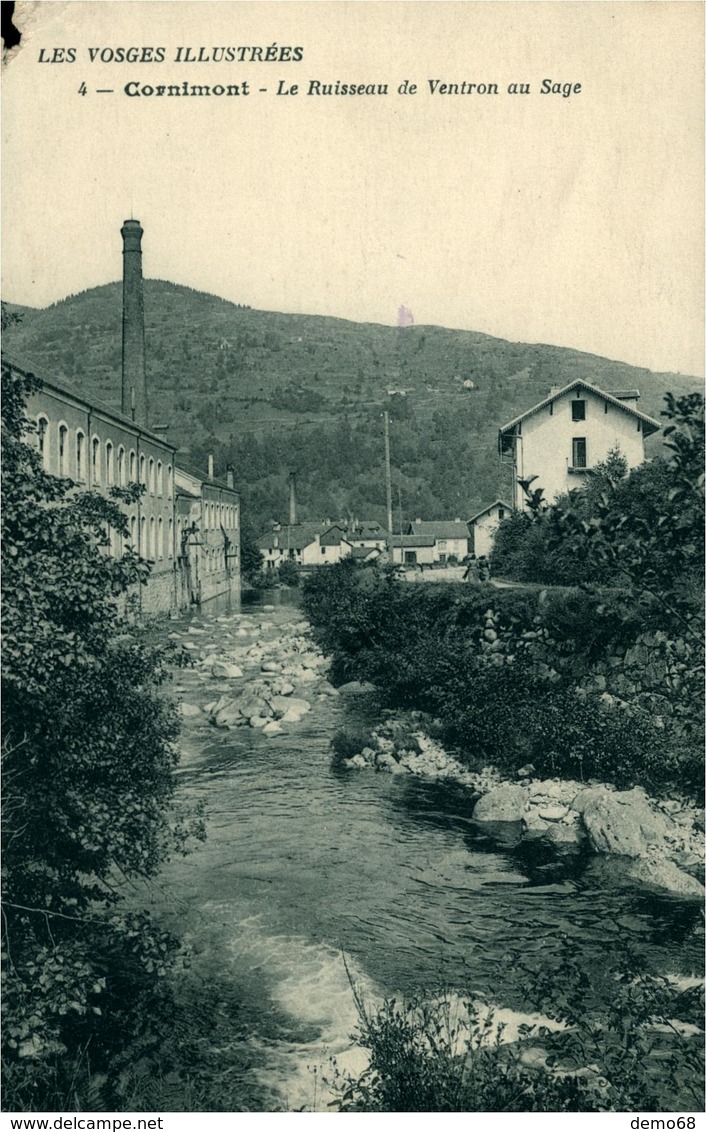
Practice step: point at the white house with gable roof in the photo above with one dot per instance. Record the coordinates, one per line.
(484, 524)
(555, 443)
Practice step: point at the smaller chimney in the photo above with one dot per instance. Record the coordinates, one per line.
(160, 430)
(230, 475)
(292, 499)
(418, 521)
(626, 394)
(210, 466)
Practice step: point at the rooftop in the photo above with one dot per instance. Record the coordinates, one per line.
(485, 510)
(651, 424)
(441, 528)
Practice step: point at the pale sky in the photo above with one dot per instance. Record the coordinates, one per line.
(574, 221)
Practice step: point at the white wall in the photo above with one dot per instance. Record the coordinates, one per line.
(484, 531)
(544, 448)
(425, 554)
(449, 546)
(331, 554)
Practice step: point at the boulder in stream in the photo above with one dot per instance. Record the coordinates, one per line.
(186, 711)
(357, 688)
(221, 670)
(621, 822)
(288, 706)
(502, 803)
(661, 873)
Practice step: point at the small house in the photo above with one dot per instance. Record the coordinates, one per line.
(449, 536)
(483, 527)
(413, 550)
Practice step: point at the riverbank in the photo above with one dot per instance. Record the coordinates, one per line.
(306, 863)
(661, 838)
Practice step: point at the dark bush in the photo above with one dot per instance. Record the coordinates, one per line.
(556, 687)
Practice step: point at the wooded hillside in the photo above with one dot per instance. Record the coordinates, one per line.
(273, 392)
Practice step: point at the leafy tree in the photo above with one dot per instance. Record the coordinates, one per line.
(288, 573)
(250, 553)
(87, 758)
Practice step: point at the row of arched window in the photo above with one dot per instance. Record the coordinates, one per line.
(217, 515)
(111, 467)
(147, 538)
(215, 560)
(107, 466)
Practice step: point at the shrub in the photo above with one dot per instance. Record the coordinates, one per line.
(288, 574)
(579, 683)
(447, 1054)
(349, 741)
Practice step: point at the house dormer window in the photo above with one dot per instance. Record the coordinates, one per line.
(578, 410)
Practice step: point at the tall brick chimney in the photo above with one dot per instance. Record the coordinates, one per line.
(134, 388)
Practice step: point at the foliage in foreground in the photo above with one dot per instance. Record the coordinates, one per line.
(88, 757)
(636, 1048)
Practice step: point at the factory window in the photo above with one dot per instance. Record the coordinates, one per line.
(133, 531)
(143, 538)
(501, 512)
(143, 471)
(43, 441)
(205, 516)
(170, 481)
(63, 446)
(121, 466)
(578, 410)
(639, 424)
(152, 485)
(96, 460)
(160, 538)
(151, 549)
(109, 465)
(132, 470)
(160, 482)
(170, 538)
(80, 456)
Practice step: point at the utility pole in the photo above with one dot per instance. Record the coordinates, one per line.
(388, 482)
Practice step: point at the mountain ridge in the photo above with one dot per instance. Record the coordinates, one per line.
(271, 392)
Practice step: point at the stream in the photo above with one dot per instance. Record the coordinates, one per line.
(313, 879)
